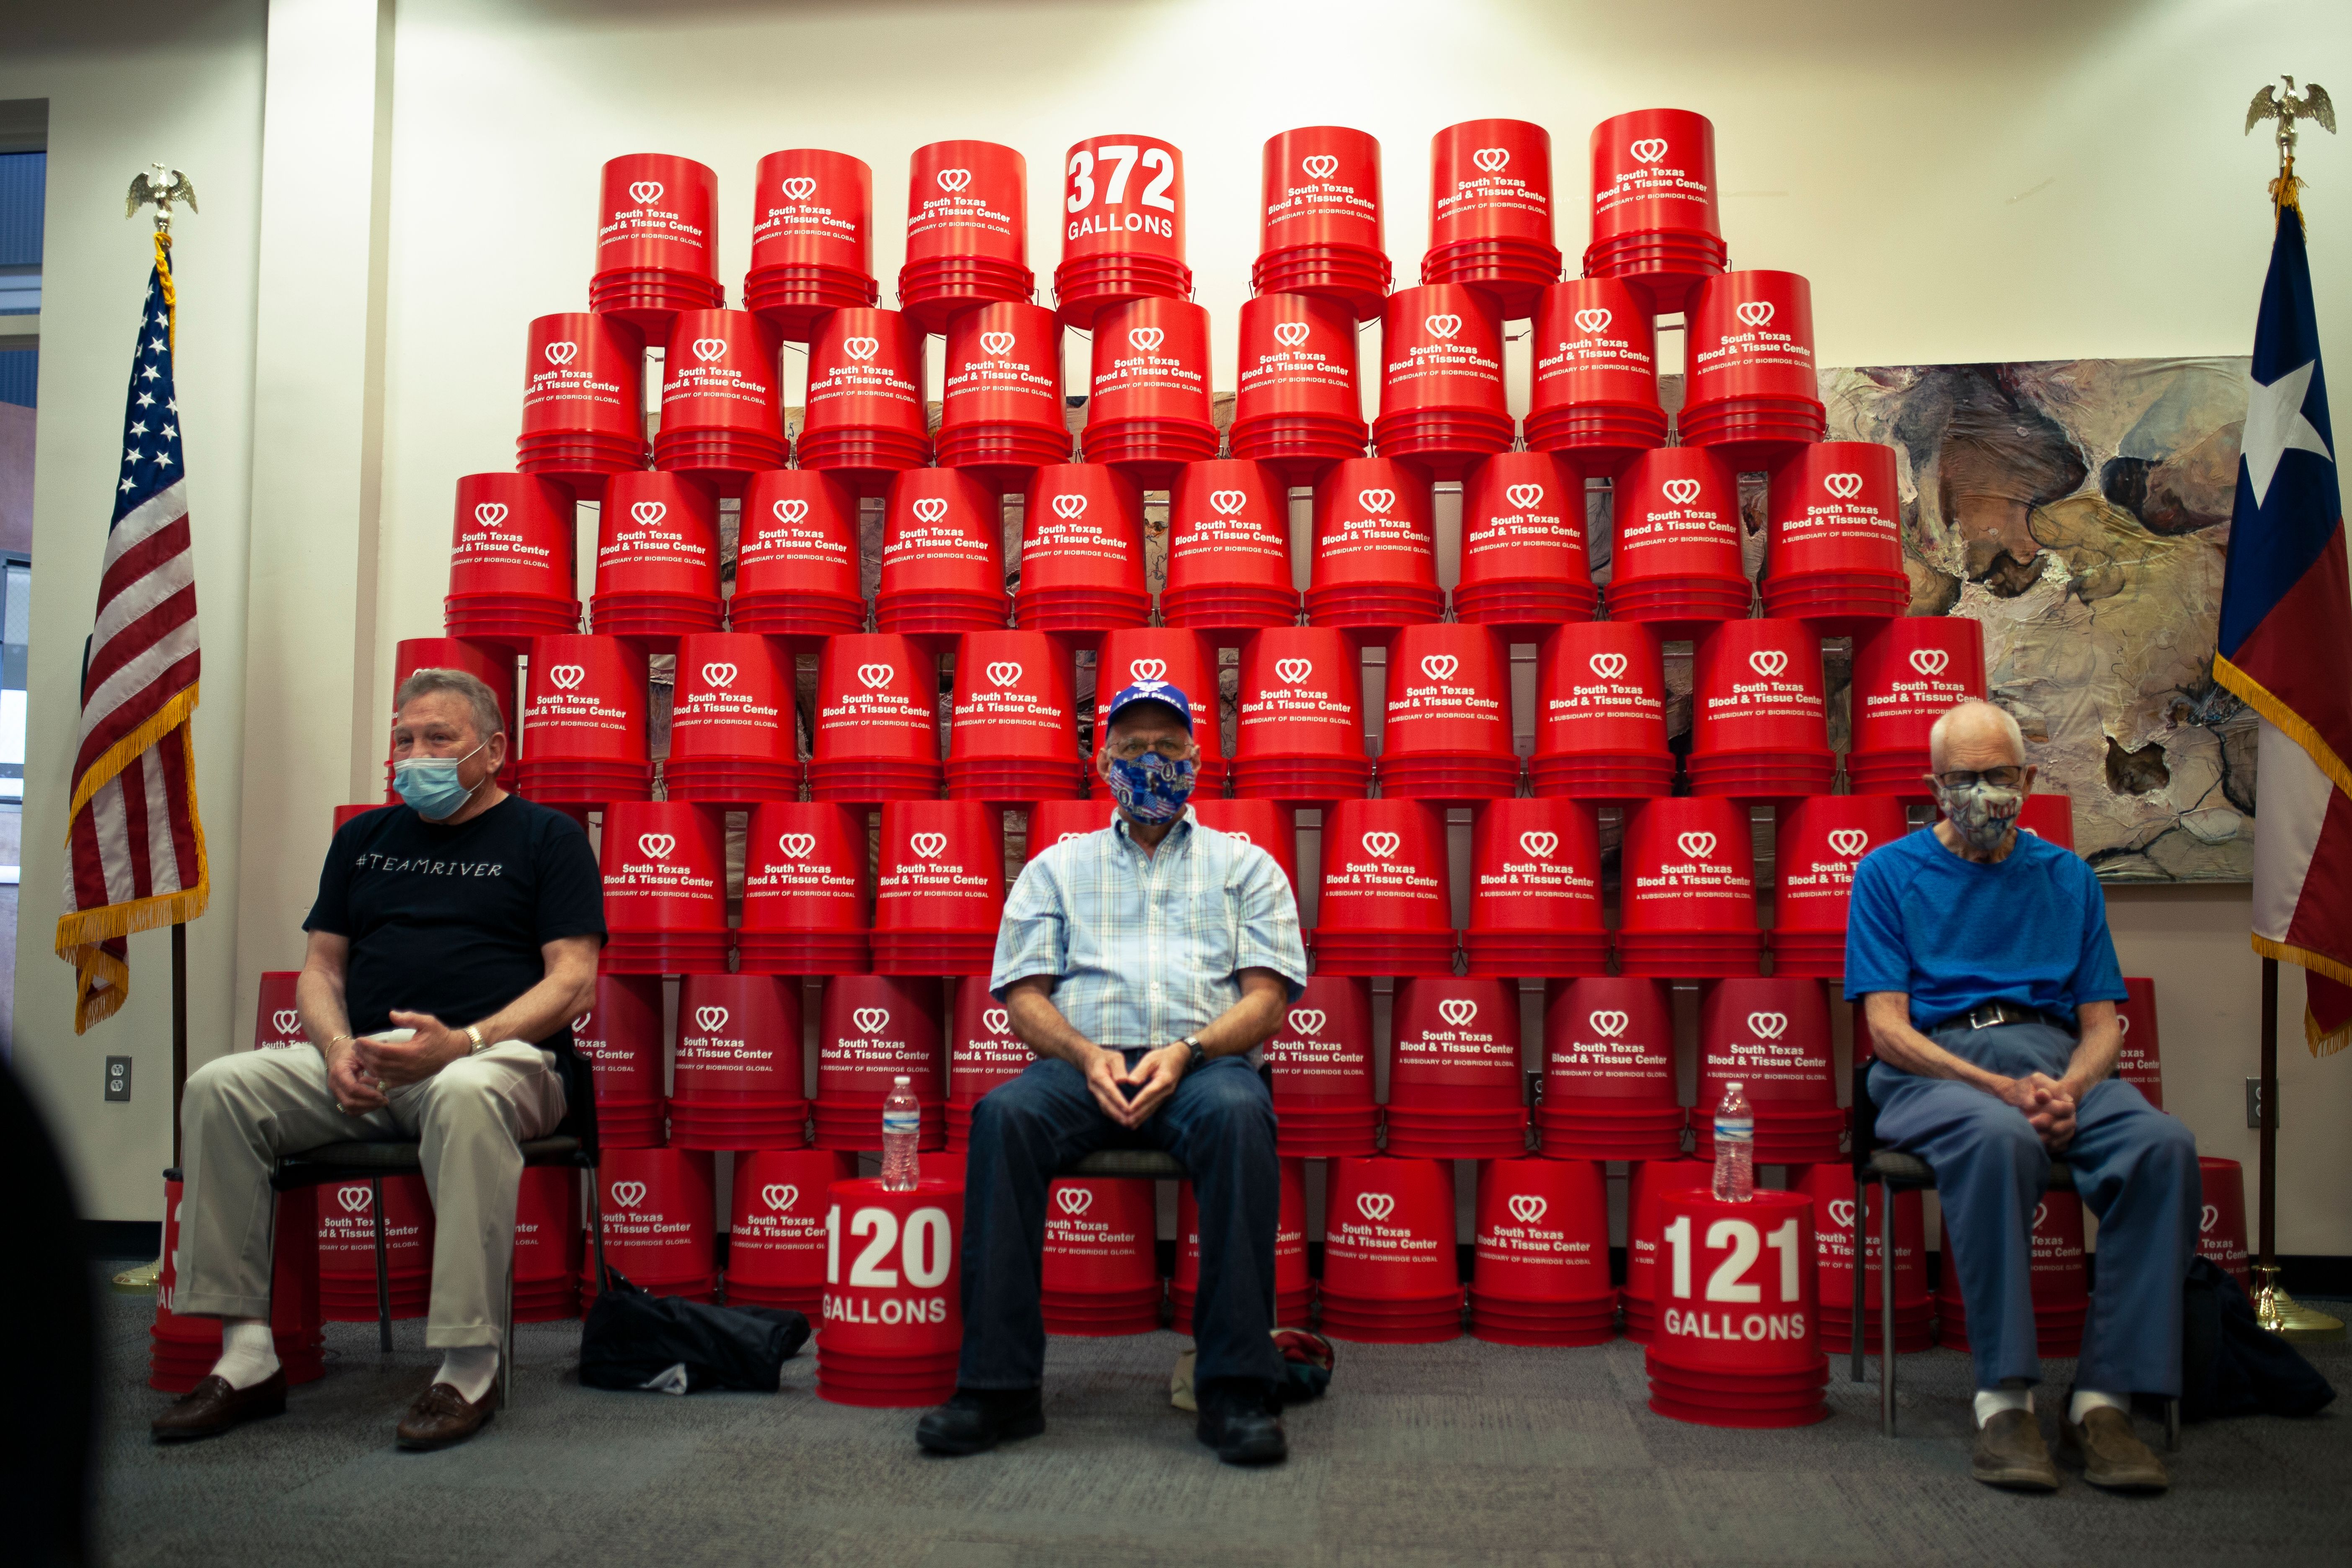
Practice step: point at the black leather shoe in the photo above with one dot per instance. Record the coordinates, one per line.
(978, 1419)
(1239, 1423)
(212, 1407)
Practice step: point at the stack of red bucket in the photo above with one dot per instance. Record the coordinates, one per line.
(942, 559)
(1759, 715)
(583, 717)
(982, 1052)
(941, 891)
(547, 1245)
(731, 728)
(656, 560)
(1645, 1221)
(583, 401)
(1822, 838)
(657, 240)
(1148, 406)
(1228, 551)
(1100, 1273)
(1124, 235)
(510, 576)
(1294, 1290)
(621, 1036)
(1689, 898)
(1184, 660)
(1375, 550)
(1490, 222)
(2060, 1285)
(1772, 1038)
(1012, 737)
(1385, 906)
(1447, 734)
(1443, 405)
(491, 663)
(2050, 817)
(1600, 714)
(1676, 559)
(1390, 1272)
(736, 1077)
(1905, 675)
(1654, 213)
(2140, 1061)
(804, 889)
(874, 1029)
(1321, 1063)
(346, 1232)
(796, 559)
(1835, 552)
(875, 735)
(1524, 566)
(865, 418)
(722, 414)
(1081, 555)
(1455, 1091)
(1595, 401)
(1300, 735)
(1542, 1251)
(1832, 1189)
(1319, 219)
(775, 1232)
(1296, 408)
(1753, 394)
(1609, 1071)
(665, 868)
(966, 231)
(181, 1350)
(1270, 826)
(1001, 409)
(891, 1331)
(658, 1210)
(1752, 1359)
(811, 240)
(2221, 1226)
(1535, 890)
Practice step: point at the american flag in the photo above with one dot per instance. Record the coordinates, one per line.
(135, 849)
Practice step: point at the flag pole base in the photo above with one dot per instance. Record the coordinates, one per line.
(2289, 1319)
(139, 1280)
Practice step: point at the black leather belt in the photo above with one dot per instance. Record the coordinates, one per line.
(1992, 1013)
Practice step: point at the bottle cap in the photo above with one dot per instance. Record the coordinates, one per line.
(901, 1081)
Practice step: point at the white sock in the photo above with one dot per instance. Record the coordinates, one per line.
(2087, 1400)
(249, 1355)
(1992, 1402)
(469, 1369)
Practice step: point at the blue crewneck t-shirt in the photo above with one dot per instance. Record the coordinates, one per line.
(1954, 934)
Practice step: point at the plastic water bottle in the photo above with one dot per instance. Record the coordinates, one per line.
(1735, 1148)
(902, 1128)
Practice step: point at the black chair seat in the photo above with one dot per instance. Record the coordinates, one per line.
(333, 1161)
(1909, 1170)
(1152, 1163)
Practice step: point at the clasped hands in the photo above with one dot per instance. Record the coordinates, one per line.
(1132, 1096)
(362, 1075)
(2048, 1105)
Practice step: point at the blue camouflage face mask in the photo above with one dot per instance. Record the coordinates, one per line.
(1151, 788)
(431, 787)
(1982, 814)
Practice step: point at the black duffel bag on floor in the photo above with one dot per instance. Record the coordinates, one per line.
(669, 1345)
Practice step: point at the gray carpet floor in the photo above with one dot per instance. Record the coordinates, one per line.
(1453, 1454)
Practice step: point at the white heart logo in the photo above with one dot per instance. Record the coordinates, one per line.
(996, 1021)
(1068, 507)
(1769, 662)
(1607, 665)
(1376, 502)
(355, 1199)
(646, 513)
(583, 1021)
(1494, 160)
(1845, 487)
(929, 509)
(1442, 326)
(1539, 844)
(566, 677)
(1769, 1025)
(1610, 1022)
(1380, 846)
(1147, 339)
(870, 1020)
(953, 180)
(1930, 661)
(861, 348)
(1648, 150)
(1066, 838)
(799, 188)
(2040, 1213)
(1147, 670)
(286, 1020)
(929, 845)
(657, 844)
(779, 1196)
(1697, 846)
(875, 676)
(790, 510)
(1682, 492)
(719, 675)
(1375, 1206)
(1074, 1201)
(1756, 312)
(1290, 334)
(1849, 842)
(1291, 672)
(1237, 833)
(490, 513)
(797, 845)
(1528, 1207)
(561, 353)
(1524, 497)
(1439, 666)
(1004, 672)
(1842, 1214)
(1226, 503)
(709, 350)
(2123, 1024)
(1319, 165)
(998, 343)
(1458, 1010)
(1307, 1020)
(646, 193)
(1593, 318)
(2208, 1218)
(710, 1020)
(628, 1194)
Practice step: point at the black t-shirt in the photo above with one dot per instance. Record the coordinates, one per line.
(449, 920)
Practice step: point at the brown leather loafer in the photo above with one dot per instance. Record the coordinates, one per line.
(212, 1407)
(441, 1417)
(2010, 1453)
(2110, 1456)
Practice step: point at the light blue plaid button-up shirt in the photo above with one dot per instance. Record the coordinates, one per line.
(1147, 948)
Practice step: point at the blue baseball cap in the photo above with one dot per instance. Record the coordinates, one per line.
(1159, 691)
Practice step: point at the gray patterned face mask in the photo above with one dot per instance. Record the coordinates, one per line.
(1982, 814)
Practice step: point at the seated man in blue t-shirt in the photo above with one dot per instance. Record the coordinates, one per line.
(1982, 958)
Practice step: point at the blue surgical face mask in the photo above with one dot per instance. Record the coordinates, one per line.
(1982, 814)
(431, 787)
(1151, 788)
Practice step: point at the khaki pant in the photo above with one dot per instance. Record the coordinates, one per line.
(241, 1113)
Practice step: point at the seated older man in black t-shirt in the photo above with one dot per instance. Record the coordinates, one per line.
(454, 940)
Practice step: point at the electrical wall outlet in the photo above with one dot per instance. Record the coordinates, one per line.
(118, 1080)
(2254, 1103)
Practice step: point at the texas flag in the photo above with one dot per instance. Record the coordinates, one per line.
(2286, 647)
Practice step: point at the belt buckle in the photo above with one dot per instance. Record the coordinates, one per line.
(1986, 1017)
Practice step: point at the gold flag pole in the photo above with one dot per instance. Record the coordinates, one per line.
(2274, 1309)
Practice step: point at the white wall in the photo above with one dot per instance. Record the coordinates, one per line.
(1992, 181)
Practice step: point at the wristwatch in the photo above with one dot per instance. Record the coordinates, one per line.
(1199, 1058)
(474, 1033)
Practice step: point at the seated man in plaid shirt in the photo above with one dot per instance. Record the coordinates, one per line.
(1144, 963)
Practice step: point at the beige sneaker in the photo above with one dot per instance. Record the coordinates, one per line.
(2110, 1456)
(2010, 1453)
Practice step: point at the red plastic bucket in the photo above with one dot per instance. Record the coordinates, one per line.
(1390, 1274)
(584, 722)
(1905, 675)
(510, 574)
(982, 1052)
(1655, 225)
(736, 1075)
(1228, 551)
(1541, 1247)
(1375, 550)
(1689, 891)
(1122, 226)
(621, 1036)
(656, 239)
(1081, 554)
(1649, 1180)
(804, 889)
(1836, 546)
(584, 401)
(1676, 556)
(181, 1350)
(1148, 405)
(866, 415)
(1321, 1062)
(1001, 410)
(1294, 1290)
(1772, 1038)
(1751, 387)
(276, 1021)
(967, 230)
(731, 727)
(1269, 824)
(941, 891)
(346, 1248)
(1524, 566)
(1759, 724)
(1448, 729)
(812, 238)
(1184, 660)
(1300, 735)
(1384, 906)
(1442, 400)
(1609, 1089)
(1737, 1303)
(656, 559)
(664, 870)
(1455, 1091)
(776, 1229)
(1012, 736)
(2222, 1232)
(1600, 713)
(1297, 408)
(1820, 839)
(721, 410)
(1100, 1273)
(1319, 219)
(796, 558)
(2140, 1060)
(1535, 890)
(891, 1295)
(1490, 214)
(1596, 376)
(872, 1029)
(875, 735)
(942, 558)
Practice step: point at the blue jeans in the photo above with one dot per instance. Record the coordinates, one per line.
(1219, 1122)
(2134, 1167)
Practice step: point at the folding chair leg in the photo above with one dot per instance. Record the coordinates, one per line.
(1885, 1304)
(382, 1268)
(1860, 1190)
(2172, 1426)
(506, 1342)
(596, 1220)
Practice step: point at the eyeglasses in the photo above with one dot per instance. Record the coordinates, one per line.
(2007, 776)
(1169, 747)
